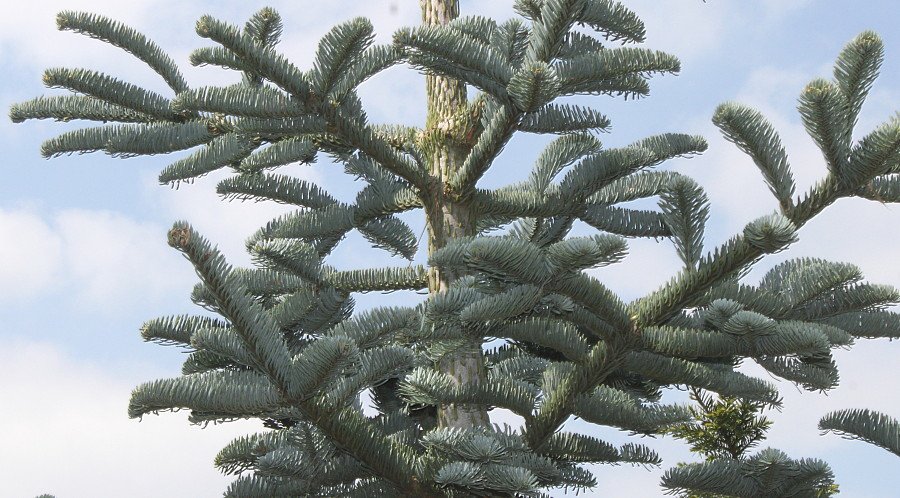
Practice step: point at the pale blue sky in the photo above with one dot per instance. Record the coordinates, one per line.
(83, 259)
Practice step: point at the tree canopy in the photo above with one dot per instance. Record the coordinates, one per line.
(512, 320)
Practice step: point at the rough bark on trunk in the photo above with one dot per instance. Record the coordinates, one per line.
(448, 218)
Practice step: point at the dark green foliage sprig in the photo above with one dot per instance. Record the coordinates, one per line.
(724, 428)
(666, 370)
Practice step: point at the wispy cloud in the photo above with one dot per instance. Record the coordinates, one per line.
(111, 258)
(30, 255)
(67, 422)
(102, 260)
(667, 22)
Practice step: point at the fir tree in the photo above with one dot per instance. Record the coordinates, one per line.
(287, 347)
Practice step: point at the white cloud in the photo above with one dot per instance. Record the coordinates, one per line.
(855, 231)
(30, 254)
(767, 84)
(67, 432)
(668, 24)
(29, 37)
(111, 258)
(103, 260)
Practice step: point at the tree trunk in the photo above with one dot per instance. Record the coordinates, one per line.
(447, 218)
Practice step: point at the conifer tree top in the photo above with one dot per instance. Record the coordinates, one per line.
(287, 346)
